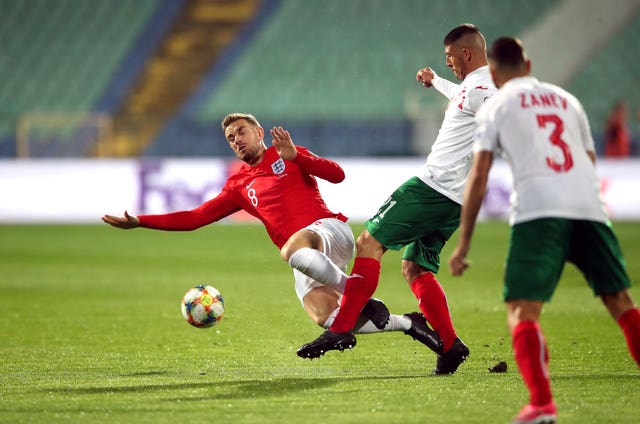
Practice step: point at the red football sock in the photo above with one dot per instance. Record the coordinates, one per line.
(361, 285)
(630, 324)
(532, 356)
(433, 304)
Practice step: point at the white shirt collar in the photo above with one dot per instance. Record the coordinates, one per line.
(521, 80)
(477, 71)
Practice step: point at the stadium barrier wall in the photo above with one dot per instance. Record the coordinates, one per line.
(81, 191)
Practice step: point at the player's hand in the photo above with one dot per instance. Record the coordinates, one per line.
(457, 261)
(425, 76)
(127, 221)
(283, 143)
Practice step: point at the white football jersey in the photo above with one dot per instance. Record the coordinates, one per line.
(543, 133)
(448, 164)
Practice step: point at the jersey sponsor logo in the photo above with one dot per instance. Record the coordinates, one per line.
(278, 166)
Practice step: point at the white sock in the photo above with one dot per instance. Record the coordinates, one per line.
(332, 316)
(396, 323)
(318, 266)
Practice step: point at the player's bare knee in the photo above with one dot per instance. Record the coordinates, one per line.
(290, 247)
(617, 303)
(523, 310)
(302, 238)
(368, 246)
(617, 299)
(363, 241)
(286, 252)
(411, 270)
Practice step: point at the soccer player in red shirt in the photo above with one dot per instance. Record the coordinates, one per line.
(277, 185)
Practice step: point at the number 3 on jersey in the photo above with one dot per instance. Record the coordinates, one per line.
(556, 139)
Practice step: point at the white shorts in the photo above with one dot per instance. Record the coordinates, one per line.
(338, 242)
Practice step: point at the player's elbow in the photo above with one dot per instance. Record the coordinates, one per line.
(338, 177)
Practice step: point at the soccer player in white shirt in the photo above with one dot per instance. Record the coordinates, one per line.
(557, 213)
(423, 212)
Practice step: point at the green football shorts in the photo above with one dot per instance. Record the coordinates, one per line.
(538, 250)
(418, 217)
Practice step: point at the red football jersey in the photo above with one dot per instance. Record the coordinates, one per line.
(282, 194)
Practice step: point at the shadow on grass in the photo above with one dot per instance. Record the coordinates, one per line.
(145, 373)
(239, 389)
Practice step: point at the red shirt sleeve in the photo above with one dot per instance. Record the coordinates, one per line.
(319, 167)
(211, 211)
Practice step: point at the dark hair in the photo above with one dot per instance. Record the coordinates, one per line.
(507, 52)
(456, 33)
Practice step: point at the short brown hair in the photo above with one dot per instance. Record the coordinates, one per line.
(232, 117)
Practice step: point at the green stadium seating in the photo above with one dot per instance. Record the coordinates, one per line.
(612, 74)
(352, 60)
(58, 56)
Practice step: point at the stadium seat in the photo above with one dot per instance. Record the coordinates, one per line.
(334, 66)
(59, 58)
(612, 74)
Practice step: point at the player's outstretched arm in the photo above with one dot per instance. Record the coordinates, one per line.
(283, 143)
(126, 222)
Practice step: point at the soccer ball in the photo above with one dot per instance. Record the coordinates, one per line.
(202, 306)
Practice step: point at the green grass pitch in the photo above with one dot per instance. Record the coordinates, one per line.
(91, 332)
